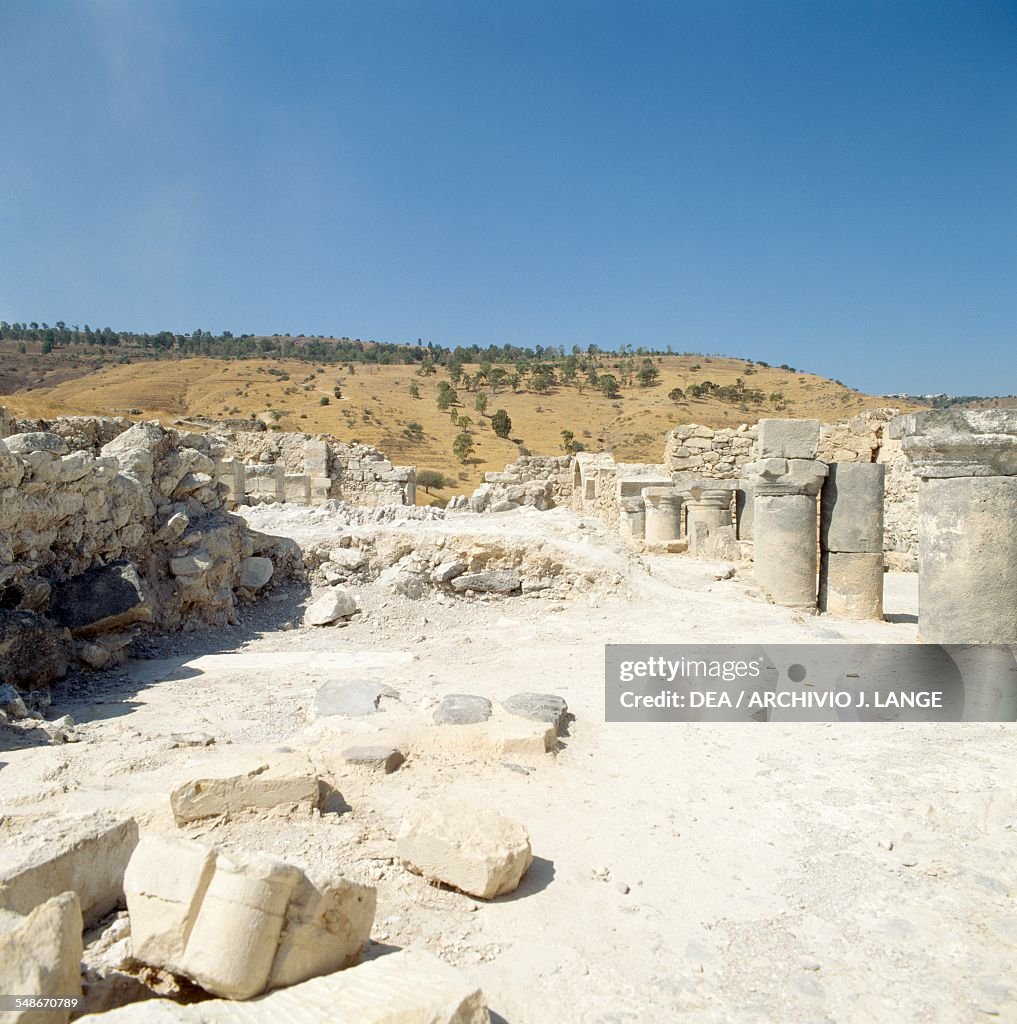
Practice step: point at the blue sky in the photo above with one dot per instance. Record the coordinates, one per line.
(827, 184)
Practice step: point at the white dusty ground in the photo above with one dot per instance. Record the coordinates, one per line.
(760, 886)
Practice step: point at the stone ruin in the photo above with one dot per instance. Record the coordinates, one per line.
(107, 525)
(821, 510)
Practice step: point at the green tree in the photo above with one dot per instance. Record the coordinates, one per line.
(648, 375)
(480, 402)
(323, 400)
(608, 384)
(501, 423)
(414, 390)
(428, 478)
(462, 446)
(676, 395)
(567, 440)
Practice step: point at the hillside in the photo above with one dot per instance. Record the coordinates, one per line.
(376, 406)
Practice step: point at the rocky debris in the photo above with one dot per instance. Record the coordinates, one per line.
(84, 855)
(462, 709)
(539, 707)
(470, 848)
(32, 653)
(255, 572)
(406, 987)
(100, 600)
(337, 603)
(240, 924)
(379, 759)
(721, 545)
(11, 702)
(229, 786)
(351, 697)
(360, 515)
(446, 572)
(40, 955)
(408, 585)
(347, 558)
(497, 581)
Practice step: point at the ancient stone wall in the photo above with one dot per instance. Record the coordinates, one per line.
(718, 454)
(132, 530)
(541, 481)
(310, 469)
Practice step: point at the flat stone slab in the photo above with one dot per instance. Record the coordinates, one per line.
(498, 581)
(462, 709)
(234, 784)
(540, 707)
(86, 855)
(351, 698)
(379, 759)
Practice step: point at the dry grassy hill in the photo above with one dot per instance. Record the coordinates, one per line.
(376, 406)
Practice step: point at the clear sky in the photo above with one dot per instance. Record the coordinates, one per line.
(826, 183)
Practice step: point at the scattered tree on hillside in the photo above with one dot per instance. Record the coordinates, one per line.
(462, 446)
(608, 384)
(501, 424)
(480, 402)
(414, 390)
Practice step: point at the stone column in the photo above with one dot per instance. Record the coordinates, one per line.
(851, 541)
(967, 508)
(708, 506)
(632, 518)
(663, 514)
(785, 482)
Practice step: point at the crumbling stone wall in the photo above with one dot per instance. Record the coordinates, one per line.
(542, 481)
(718, 454)
(311, 469)
(147, 509)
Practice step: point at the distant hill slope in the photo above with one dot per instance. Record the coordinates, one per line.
(376, 405)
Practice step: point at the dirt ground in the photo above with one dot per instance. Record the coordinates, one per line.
(809, 873)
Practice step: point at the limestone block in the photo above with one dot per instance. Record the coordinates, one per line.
(87, 856)
(36, 441)
(374, 758)
(228, 786)
(350, 697)
(448, 571)
(470, 848)
(407, 987)
(40, 955)
(240, 923)
(102, 599)
(347, 558)
(788, 439)
(255, 572)
(337, 603)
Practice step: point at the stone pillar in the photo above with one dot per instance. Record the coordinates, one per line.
(632, 518)
(851, 541)
(785, 482)
(967, 507)
(708, 506)
(743, 510)
(663, 516)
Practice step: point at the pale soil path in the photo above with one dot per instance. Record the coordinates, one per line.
(757, 885)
